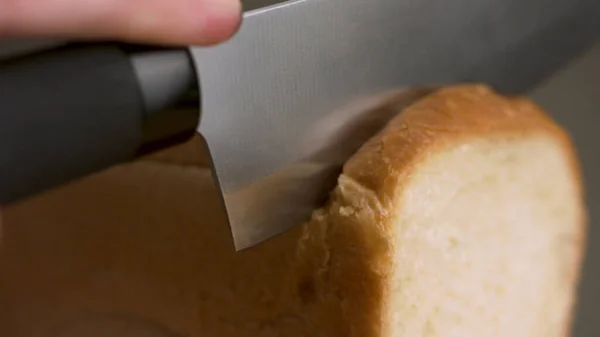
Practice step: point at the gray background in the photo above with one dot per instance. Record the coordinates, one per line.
(572, 97)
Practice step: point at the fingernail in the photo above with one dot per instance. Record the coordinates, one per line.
(224, 8)
(222, 20)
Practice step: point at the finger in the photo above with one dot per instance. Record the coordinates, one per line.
(196, 22)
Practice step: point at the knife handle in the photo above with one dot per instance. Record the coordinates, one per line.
(78, 109)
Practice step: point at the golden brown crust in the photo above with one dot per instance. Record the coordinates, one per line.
(447, 116)
(145, 239)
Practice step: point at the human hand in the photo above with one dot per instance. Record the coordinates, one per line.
(170, 22)
(173, 22)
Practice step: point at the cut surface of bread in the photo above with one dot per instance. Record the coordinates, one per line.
(463, 217)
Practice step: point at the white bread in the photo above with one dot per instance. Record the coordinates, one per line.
(464, 217)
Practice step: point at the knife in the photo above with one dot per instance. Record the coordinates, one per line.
(280, 106)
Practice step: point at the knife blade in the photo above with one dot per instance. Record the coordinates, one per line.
(284, 102)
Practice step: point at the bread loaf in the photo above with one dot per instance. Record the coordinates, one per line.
(463, 217)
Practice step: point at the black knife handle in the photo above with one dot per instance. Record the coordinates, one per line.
(69, 112)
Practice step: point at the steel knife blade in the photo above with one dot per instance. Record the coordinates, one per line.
(303, 84)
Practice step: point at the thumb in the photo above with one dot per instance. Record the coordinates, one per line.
(195, 22)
